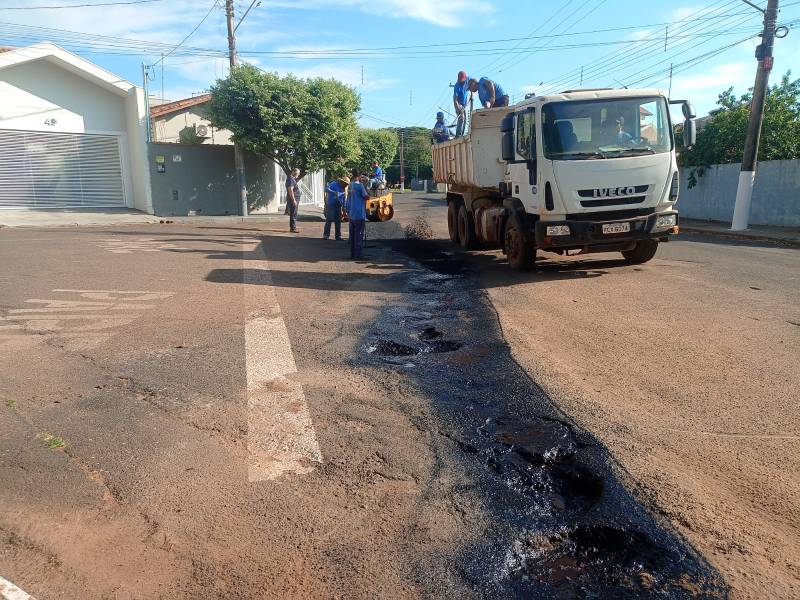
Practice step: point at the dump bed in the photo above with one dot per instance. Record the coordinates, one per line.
(474, 160)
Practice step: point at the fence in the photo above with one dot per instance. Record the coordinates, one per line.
(776, 195)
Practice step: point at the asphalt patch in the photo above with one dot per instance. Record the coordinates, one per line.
(560, 523)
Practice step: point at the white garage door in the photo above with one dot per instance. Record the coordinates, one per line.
(59, 170)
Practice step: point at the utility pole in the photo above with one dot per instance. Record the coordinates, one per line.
(238, 156)
(747, 176)
(581, 76)
(402, 168)
(146, 102)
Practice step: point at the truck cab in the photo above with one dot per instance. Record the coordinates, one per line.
(583, 171)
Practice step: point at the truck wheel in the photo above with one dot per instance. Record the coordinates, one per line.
(641, 253)
(521, 254)
(452, 221)
(466, 229)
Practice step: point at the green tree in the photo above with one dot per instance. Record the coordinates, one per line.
(305, 123)
(374, 145)
(416, 154)
(722, 138)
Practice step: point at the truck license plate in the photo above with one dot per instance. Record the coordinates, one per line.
(616, 228)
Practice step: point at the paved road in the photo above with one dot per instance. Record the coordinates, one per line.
(201, 412)
(687, 369)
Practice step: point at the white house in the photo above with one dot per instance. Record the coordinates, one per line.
(72, 135)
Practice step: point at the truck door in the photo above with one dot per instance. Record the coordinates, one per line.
(523, 170)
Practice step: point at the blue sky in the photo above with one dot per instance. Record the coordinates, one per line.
(525, 46)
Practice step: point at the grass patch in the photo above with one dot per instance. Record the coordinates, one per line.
(51, 441)
(11, 403)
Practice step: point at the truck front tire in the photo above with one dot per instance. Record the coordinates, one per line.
(520, 252)
(641, 253)
(466, 229)
(452, 221)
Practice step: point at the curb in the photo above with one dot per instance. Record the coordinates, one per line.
(741, 235)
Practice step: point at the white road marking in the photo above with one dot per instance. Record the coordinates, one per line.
(8, 591)
(79, 324)
(280, 434)
(124, 245)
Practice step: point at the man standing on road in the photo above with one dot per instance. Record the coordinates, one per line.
(293, 195)
(461, 95)
(334, 203)
(356, 206)
(490, 93)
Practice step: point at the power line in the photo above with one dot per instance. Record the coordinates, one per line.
(78, 5)
(191, 33)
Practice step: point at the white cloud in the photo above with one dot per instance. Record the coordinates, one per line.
(679, 14)
(641, 34)
(449, 13)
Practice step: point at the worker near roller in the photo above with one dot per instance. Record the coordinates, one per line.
(378, 176)
(356, 206)
(334, 205)
(461, 96)
(490, 93)
(441, 132)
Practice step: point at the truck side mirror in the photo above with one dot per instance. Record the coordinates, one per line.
(688, 110)
(508, 146)
(507, 130)
(689, 134)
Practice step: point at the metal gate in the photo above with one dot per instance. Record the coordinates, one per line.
(60, 170)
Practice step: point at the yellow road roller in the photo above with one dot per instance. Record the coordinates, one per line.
(379, 206)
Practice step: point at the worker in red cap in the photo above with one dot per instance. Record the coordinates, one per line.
(461, 95)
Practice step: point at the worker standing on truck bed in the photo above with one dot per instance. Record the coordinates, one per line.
(441, 132)
(490, 93)
(461, 95)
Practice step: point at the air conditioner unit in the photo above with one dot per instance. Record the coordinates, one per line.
(201, 130)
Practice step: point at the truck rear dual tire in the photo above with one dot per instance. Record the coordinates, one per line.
(452, 221)
(520, 252)
(466, 229)
(641, 253)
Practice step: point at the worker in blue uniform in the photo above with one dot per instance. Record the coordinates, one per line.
(356, 206)
(441, 132)
(491, 94)
(334, 204)
(461, 96)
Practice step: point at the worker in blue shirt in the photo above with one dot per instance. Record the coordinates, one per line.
(378, 178)
(490, 93)
(441, 132)
(461, 96)
(356, 206)
(334, 204)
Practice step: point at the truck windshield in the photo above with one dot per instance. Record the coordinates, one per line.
(596, 129)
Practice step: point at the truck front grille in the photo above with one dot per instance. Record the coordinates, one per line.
(624, 200)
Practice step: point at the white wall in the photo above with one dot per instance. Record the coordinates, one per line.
(38, 91)
(137, 151)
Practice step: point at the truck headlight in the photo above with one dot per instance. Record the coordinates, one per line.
(664, 222)
(553, 230)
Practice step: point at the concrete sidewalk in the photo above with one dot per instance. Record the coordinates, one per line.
(789, 236)
(103, 217)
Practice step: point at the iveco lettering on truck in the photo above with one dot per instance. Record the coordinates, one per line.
(576, 172)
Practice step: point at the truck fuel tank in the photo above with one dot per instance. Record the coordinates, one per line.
(487, 220)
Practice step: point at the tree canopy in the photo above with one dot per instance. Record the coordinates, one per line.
(374, 145)
(305, 123)
(416, 154)
(722, 138)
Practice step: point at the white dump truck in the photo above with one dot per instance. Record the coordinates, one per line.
(576, 172)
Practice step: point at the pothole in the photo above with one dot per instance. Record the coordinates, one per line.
(390, 348)
(430, 333)
(538, 441)
(440, 346)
